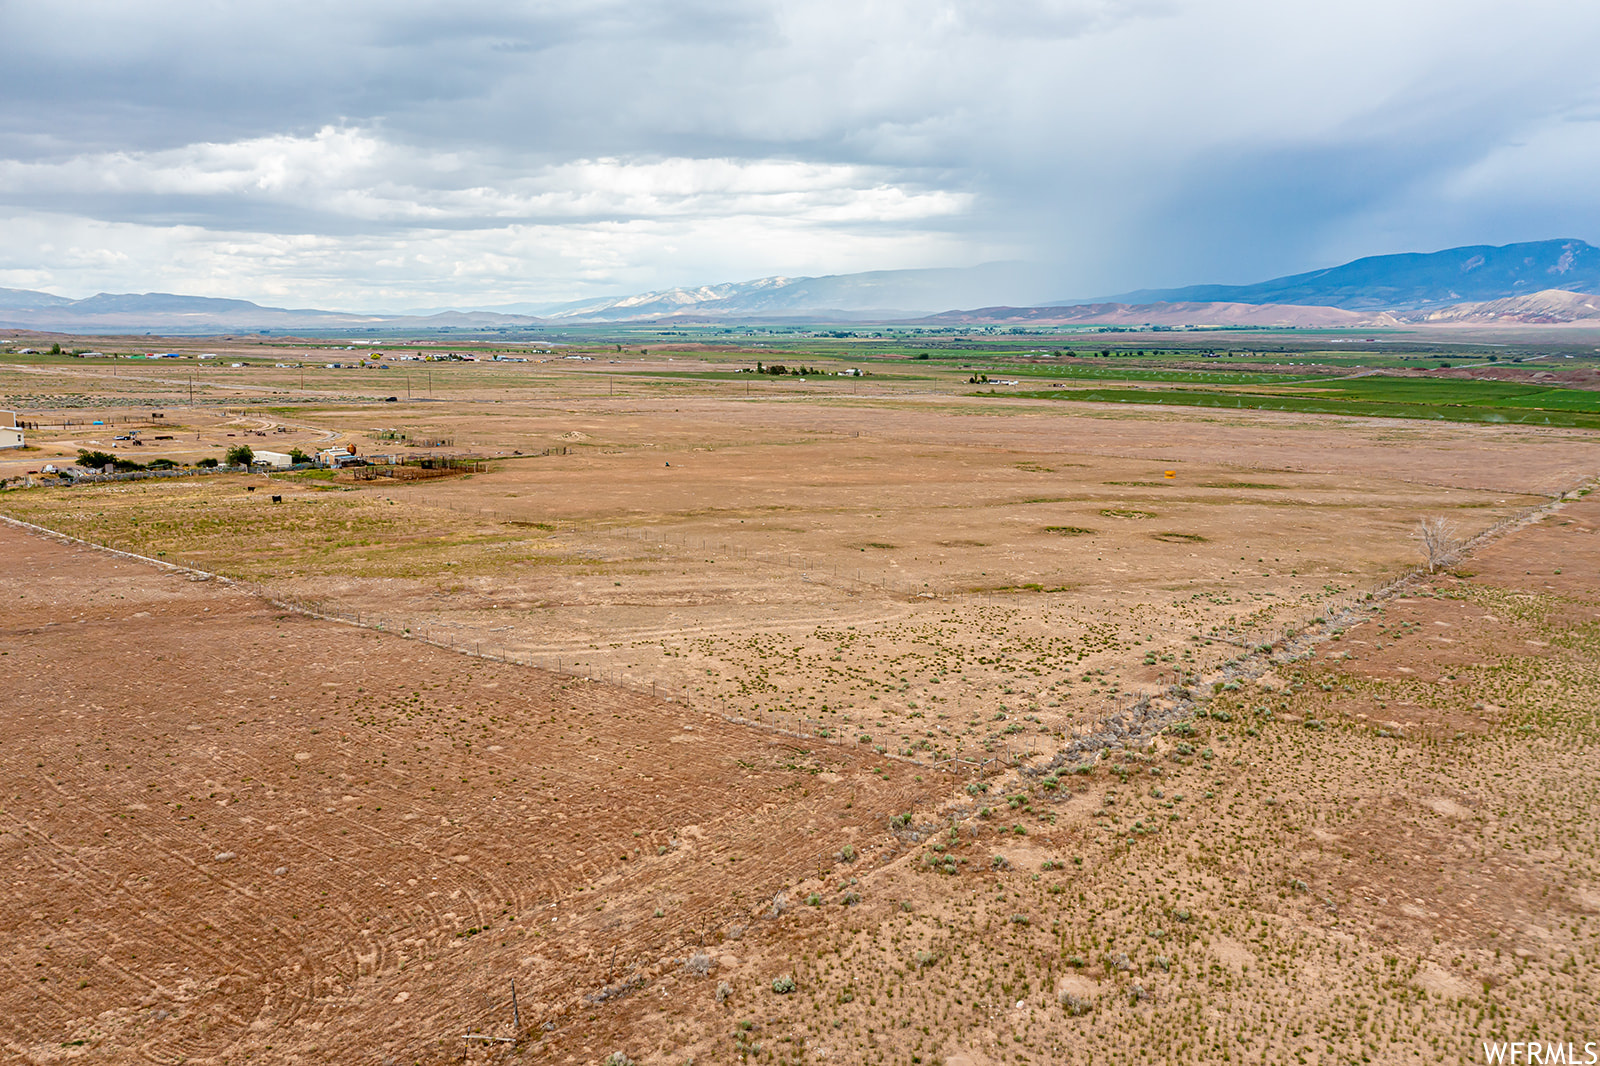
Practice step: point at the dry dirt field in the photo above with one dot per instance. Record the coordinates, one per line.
(1232, 807)
(231, 832)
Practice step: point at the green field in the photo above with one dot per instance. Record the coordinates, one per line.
(1449, 400)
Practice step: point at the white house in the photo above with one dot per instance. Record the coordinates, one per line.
(340, 457)
(11, 436)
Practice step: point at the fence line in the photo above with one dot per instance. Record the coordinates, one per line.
(793, 724)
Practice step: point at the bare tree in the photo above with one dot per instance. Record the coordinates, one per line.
(1439, 542)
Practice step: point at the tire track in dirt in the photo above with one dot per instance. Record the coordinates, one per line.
(400, 822)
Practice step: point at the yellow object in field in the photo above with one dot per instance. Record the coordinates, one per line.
(1172, 473)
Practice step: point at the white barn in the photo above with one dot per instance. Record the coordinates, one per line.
(273, 459)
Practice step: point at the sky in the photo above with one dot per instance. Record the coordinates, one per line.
(411, 154)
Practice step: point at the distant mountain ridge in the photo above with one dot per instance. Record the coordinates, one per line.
(166, 312)
(1408, 282)
(1539, 282)
(872, 295)
(879, 293)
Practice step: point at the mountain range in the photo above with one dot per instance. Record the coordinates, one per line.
(1412, 281)
(1537, 282)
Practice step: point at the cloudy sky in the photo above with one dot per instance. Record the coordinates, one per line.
(411, 153)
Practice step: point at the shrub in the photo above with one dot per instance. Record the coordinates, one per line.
(617, 1058)
(783, 985)
(207, 464)
(724, 990)
(698, 964)
(1076, 1006)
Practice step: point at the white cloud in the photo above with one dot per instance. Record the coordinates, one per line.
(424, 266)
(356, 175)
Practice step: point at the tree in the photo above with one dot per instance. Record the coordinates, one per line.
(239, 455)
(1439, 542)
(297, 456)
(95, 460)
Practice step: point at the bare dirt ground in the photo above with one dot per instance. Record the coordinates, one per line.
(1386, 856)
(232, 832)
(354, 840)
(937, 575)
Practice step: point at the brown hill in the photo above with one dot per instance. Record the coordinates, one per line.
(1165, 314)
(1550, 307)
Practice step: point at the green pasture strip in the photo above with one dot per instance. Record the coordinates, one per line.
(1578, 418)
(1455, 391)
(1197, 377)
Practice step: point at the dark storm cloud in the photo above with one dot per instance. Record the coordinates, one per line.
(125, 77)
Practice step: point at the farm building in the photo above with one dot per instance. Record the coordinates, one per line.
(10, 435)
(340, 457)
(273, 459)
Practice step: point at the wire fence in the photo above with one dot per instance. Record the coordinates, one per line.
(1335, 611)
